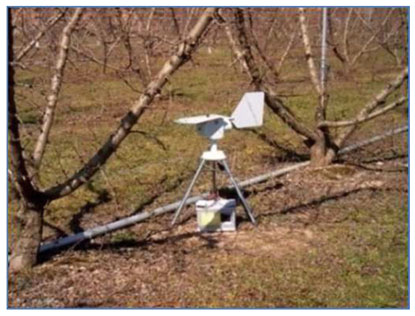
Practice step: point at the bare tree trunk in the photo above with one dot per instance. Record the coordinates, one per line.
(18, 165)
(322, 146)
(32, 201)
(29, 221)
(25, 250)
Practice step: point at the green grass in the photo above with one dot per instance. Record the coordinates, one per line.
(362, 262)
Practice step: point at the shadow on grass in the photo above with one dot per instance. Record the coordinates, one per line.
(288, 155)
(75, 223)
(211, 242)
(211, 239)
(320, 200)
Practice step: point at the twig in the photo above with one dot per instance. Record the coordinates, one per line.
(49, 24)
(151, 137)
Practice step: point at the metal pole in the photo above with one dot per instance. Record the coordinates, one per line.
(176, 215)
(372, 140)
(214, 187)
(238, 191)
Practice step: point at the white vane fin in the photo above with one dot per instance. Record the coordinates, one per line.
(250, 110)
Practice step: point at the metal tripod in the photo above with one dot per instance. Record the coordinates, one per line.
(245, 205)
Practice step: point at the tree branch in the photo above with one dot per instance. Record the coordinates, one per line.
(56, 83)
(365, 118)
(346, 36)
(364, 48)
(308, 54)
(242, 50)
(180, 57)
(319, 85)
(286, 51)
(376, 101)
(268, 63)
(17, 162)
(49, 24)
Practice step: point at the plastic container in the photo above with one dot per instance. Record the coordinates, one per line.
(216, 215)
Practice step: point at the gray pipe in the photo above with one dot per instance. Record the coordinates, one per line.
(128, 221)
(372, 140)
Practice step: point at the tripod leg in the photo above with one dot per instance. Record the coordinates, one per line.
(199, 169)
(238, 191)
(214, 188)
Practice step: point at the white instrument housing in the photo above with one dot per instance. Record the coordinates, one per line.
(249, 113)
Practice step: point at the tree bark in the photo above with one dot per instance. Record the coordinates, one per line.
(32, 201)
(29, 229)
(308, 53)
(321, 151)
(18, 166)
(56, 84)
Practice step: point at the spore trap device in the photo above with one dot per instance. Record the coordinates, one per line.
(218, 214)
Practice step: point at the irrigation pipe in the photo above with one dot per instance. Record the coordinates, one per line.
(128, 221)
(372, 140)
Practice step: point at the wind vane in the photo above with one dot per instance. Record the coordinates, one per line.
(248, 114)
